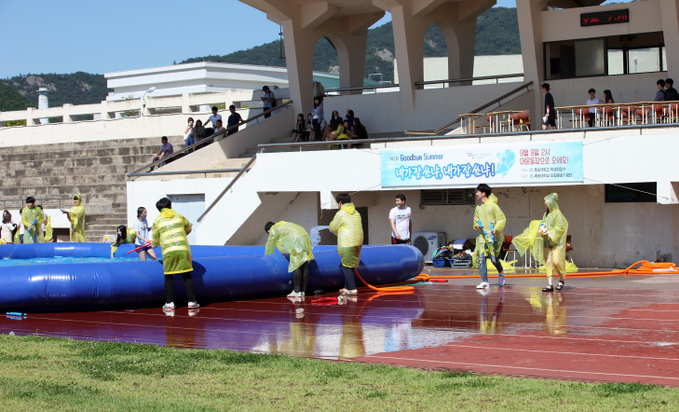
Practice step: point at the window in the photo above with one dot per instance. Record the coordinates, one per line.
(632, 192)
(447, 197)
(634, 53)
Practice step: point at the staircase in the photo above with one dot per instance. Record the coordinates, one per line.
(95, 169)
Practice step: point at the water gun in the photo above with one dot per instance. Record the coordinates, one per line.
(543, 229)
(490, 236)
(147, 244)
(33, 224)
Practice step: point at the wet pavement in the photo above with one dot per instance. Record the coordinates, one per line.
(622, 328)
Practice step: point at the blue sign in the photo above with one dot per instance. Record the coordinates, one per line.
(512, 163)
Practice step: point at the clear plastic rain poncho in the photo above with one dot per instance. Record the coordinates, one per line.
(555, 232)
(290, 238)
(77, 218)
(169, 231)
(28, 216)
(348, 226)
(490, 213)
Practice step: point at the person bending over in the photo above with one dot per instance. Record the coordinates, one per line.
(293, 239)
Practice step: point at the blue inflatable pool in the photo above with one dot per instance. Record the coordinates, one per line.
(220, 273)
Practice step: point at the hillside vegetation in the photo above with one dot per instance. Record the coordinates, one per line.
(497, 32)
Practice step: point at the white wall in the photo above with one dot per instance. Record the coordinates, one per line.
(605, 234)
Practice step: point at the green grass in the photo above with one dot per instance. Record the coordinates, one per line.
(68, 375)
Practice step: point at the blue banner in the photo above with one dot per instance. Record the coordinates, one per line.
(510, 163)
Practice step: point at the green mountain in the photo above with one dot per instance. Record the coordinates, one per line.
(497, 32)
(75, 88)
(11, 100)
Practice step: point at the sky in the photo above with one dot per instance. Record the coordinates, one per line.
(92, 36)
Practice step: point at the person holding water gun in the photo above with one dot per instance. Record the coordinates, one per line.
(489, 219)
(32, 218)
(77, 218)
(142, 229)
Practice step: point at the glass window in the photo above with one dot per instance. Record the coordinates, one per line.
(632, 192)
(644, 60)
(589, 57)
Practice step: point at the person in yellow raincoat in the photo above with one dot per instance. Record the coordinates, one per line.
(489, 242)
(293, 239)
(169, 231)
(77, 218)
(554, 232)
(49, 232)
(32, 218)
(123, 235)
(348, 227)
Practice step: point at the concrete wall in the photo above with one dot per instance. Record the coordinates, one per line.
(628, 88)
(564, 24)
(381, 112)
(605, 234)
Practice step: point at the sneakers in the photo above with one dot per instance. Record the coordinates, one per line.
(193, 312)
(483, 292)
(501, 279)
(294, 294)
(193, 305)
(168, 306)
(483, 285)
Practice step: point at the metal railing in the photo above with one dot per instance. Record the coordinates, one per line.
(470, 79)
(233, 181)
(478, 109)
(357, 88)
(206, 141)
(18, 203)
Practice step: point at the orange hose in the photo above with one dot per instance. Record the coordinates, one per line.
(646, 268)
(393, 289)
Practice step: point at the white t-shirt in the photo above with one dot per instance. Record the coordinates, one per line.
(213, 119)
(401, 221)
(593, 101)
(143, 229)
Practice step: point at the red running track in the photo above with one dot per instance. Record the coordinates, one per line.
(589, 334)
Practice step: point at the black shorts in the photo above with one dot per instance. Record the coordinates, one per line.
(395, 241)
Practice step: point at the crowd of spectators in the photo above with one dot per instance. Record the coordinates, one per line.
(315, 128)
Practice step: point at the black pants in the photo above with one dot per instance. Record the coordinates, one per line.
(350, 282)
(395, 241)
(188, 284)
(300, 277)
(592, 116)
(317, 130)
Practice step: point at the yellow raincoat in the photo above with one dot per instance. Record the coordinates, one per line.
(349, 229)
(131, 235)
(49, 232)
(531, 240)
(169, 231)
(488, 213)
(290, 238)
(556, 229)
(77, 218)
(28, 215)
